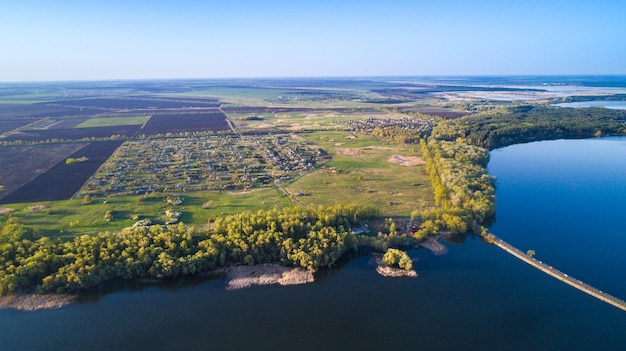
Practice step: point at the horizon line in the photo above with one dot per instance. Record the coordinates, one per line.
(347, 77)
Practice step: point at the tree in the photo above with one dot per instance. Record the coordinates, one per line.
(108, 216)
(395, 257)
(87, 199)
(530, 253)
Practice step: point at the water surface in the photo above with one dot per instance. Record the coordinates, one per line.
(615, 105)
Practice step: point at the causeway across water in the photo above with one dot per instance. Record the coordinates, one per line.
(586, 288)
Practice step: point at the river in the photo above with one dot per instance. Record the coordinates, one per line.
(616, 105)
(564, 199)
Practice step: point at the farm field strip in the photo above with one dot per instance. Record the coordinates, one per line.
(62, 180)
(185, 122)
(136, 103)
(113, 121)
(63, 134)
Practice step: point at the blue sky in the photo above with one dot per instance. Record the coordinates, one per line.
(136, 39)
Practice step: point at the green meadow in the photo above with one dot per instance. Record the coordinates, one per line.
(362, 171)
(68, 218)
(113, 121)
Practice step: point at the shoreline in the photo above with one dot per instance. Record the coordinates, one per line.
(35, 302)
(237, 277)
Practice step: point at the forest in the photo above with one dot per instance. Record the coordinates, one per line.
(511, 125)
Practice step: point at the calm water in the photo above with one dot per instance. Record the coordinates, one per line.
(616, 105)
(564, 199)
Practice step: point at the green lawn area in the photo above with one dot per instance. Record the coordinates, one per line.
(361, 173)
(113, 121)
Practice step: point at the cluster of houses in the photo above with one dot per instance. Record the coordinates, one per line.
(421, 125)
(218, 162)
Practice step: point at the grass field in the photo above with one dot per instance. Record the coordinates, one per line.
(68, 218)
(361, 173)
(113, 121)
(297, 121)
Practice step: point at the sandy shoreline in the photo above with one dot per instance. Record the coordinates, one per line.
(240, 277)
(432, 243)
(34, 302)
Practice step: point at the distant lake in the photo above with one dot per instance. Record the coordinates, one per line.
(564, 199)
(616, 105)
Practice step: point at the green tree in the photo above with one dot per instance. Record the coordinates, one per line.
(399, 258)
(87, 199)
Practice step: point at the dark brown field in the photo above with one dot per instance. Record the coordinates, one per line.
(62, 180)
(72, 133)
(9, 125)
(262, 109)
(20, 164)
(137, 103)
(42, 110)
(185, 122)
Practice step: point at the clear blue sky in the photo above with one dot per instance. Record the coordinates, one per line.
(117, 39)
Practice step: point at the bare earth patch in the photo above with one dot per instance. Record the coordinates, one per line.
(240, 277)
(6, 210)
(406, 160)
(34, 302)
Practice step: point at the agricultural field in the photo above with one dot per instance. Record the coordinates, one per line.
(66, 134)
(113, 121)
(63, 179)
(213, 121)
(20, 164)
(40, 110)
(137, 103)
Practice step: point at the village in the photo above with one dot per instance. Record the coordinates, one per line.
(419, 125)
(190, 164)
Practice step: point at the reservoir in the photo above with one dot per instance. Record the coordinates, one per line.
(563, 199)
(616, 105)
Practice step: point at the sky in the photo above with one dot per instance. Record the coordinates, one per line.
(139, 39)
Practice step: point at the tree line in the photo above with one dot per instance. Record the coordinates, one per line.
(463, 190)
(308, 238)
